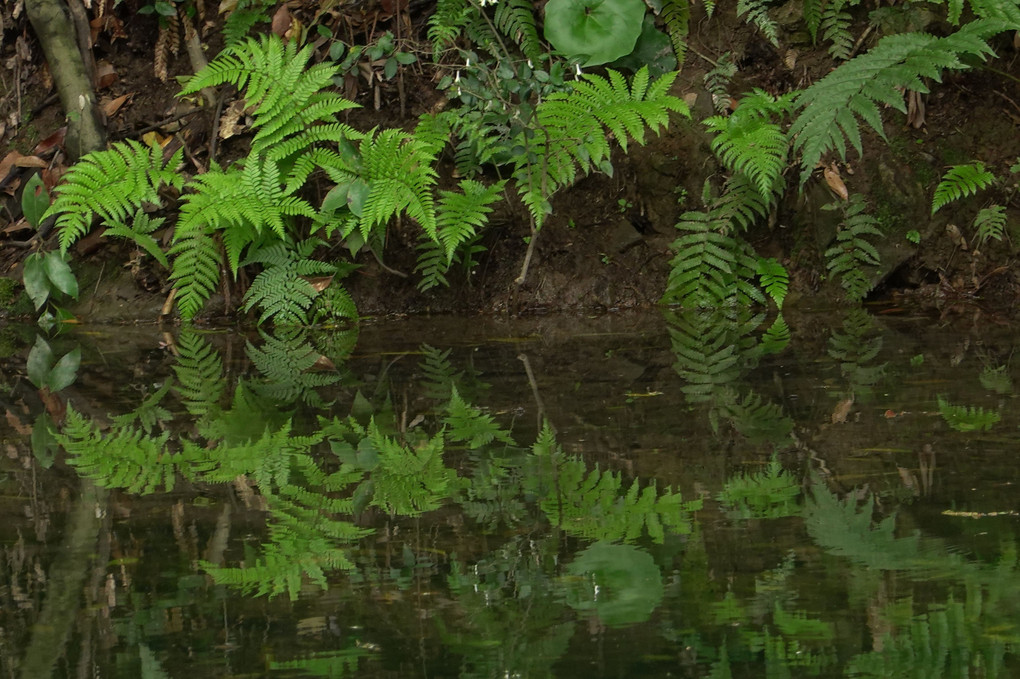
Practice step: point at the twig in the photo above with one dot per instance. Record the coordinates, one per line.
(162, 123)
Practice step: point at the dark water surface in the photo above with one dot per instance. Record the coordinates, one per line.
(625, 496)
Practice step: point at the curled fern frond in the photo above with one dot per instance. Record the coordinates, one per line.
(959, 182)
(112, 185)
(830, 108)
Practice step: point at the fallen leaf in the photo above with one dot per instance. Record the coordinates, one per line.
(106, 74)
(20, 225)
(17, 425)
(230, 121)
(842, 409)
(320, 283)
(7, 163)
(953, 231)
(281, 21)
(915, 110)
(50, 143)
(835, 182)
(889, 414)
(111, 107)
(30, 161)
(790, 59)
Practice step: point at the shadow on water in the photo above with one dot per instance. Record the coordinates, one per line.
(689, 495)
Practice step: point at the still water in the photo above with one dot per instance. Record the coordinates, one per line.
(688, 495)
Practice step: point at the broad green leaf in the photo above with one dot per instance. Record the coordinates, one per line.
(37, 284)
(60, 274)
(40, 359)
(34, 200)
(597, 30)
(65, 372)
(44, 443)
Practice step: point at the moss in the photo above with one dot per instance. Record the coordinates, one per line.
(8, 293)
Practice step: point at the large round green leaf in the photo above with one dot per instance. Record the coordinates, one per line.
(597, 31)
(620, 583)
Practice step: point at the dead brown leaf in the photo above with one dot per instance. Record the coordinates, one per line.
(20, 225)
(835, 182)
(51, 143)
(106, 74)
(281, 21)
(842, 409)
(230, 121)
(915, 110)
(30, 161)
(17, 425)
(7, 163)
(111, 106)
(320, 283)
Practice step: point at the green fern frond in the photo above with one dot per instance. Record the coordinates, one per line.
(112, 185)
(774, 279)
(199, 370)
(830, 108)
(989, 224)
(676, 16)
(125, 458)
(853, 250)
(409, 480)
(446, 24)
(139, 233)
(717, 82)
(1002, 10)
(470, 425)
(711, 268)
(570, 135)
(742, 204)
(286, 361)
(835, 27)
(748, 142)
(962, 418)
(959, 182)
(756, 12)
(776, 338)
(769, 494)
(812, 10)
(462, 214)
(400, 176)
(281, 290)
(516, 20)
(196, 270)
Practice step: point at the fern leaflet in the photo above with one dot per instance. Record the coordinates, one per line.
(959, 182)
(281, 290)
(196, 270)
(676, 16)
(990, 223)
(774, 279)
(516, 20)
(112, 185)
(756, 12)
(853, 250)
(830, 108)
(962, 418)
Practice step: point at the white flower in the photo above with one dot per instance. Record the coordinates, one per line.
(577, 70)
(456, 78)
(530, 65)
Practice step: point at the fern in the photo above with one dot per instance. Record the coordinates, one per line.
(835, 27)
(281, 290)
(148, 413)
(756, 12)
(776, 338)
(812, 10)
(675, 15)
(596, 505)
(286, 359)
(125, 458)
(516, 20)
(711, 268)
(446, 24)
(140, 232)
(199, 371)
(400, 175)
(769, 494)
(196, 270)
(471, 425)
(758, 420)
(111, 185)
(774, 279)
(962, 418)
(959, 182)
(712, 350)
(748, 142)
(830, 108)
(242, 18)
(408, 480)
(853, 250)
(990, 223)
(717, 82)
(570, 134)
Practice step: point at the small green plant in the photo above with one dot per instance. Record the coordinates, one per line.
(914, 236)
(962, 418)
(623, 205)
(853, 249)
(961, 181)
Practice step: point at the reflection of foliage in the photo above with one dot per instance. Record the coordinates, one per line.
(962, 418)
(148, 413)
(594, 504)
(286, 358)
(620, 583)
(996, 379)
(769, 494)
(471, 425)
(126, 458)
(855, 346)
(199, 373)
(332, 664)
(713, 350)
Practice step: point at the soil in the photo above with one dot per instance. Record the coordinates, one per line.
(607, 245)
